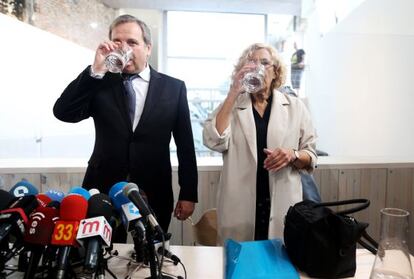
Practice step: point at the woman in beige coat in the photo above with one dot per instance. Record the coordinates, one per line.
(265, 137)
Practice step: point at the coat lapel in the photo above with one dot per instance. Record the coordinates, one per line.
(245, 114)
(276, 130)
(153, 95)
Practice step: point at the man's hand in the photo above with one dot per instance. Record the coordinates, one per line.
(104, 48)
(183, 210)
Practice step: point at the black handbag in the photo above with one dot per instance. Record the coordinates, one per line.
(321, 242)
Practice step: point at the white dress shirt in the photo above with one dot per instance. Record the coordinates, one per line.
(140, 86)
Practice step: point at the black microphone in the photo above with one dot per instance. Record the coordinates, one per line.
(5, 199)
(13, 219)
(169, 255)
(95, 230)
(131, 190)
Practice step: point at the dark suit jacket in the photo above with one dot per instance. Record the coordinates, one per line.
(144, 154)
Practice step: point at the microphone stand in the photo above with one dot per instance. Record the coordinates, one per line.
(151, 254)
(102, 267)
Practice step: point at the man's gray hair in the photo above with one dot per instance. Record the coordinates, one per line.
(146, 33)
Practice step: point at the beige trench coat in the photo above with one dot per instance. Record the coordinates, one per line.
(289, 126)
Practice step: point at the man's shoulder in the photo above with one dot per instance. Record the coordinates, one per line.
(166, 77)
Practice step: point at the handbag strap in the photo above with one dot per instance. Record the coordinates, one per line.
(364, 203)
(371, 245)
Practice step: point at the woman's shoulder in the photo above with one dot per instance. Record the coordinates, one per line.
(288, 99)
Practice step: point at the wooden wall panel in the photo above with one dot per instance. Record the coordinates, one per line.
(10, 179)
(207, 189)
(373, 187)
(61, 181)
(329, 183)
(400, 194)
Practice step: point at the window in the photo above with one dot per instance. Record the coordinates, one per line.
(201, 49)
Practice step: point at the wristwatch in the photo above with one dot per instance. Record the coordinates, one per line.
(296, 155)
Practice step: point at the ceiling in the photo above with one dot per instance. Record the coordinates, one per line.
(290, 7)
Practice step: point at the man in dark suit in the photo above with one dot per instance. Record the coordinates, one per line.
(137, 148)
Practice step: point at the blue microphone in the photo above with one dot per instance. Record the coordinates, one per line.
(129, 212)
(23, 188)
(115, 193)
(55, 195)
(80, 191)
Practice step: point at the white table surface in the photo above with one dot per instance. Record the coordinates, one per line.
(207, 263)
(201, 262)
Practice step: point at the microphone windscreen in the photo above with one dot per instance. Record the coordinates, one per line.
(115, 193)
(23, 206)
(23, 188)
(40, 226)
(130, 187)
(80, 191)
(73, 208)
(5, 199)
(54, 204)
(100, 205)
(43, 199)
(93, 191)
(55, 195)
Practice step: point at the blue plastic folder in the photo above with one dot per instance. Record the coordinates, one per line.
(258, 260)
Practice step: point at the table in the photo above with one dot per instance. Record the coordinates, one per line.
(204, 262)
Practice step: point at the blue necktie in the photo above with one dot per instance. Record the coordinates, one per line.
(130, 94)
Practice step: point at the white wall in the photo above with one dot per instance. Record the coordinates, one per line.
(359, 81)
(35, 68)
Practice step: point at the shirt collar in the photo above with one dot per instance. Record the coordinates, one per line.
(145, 74)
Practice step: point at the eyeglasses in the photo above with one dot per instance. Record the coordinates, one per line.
(266, 63)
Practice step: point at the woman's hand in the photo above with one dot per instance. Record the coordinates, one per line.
(278, 158)
(236, 87)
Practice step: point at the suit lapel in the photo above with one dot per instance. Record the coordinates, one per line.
(153, 95)
(245, 114)
(119, 95)
(276, 130)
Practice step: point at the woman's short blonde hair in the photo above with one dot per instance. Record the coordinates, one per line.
(278, 67)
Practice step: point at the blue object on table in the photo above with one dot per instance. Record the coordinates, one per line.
(258, 260)
(309, 188)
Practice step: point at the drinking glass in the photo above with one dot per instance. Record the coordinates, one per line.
(253, 80)
(116, 60)
(393, 258)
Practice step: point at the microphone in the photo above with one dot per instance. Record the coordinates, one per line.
(55, 195)
(93, 191)
(13, 219)
(129, 212)
(95, 231)
(5, 199)
(23, 188)
(131, 190)
(80, 191)
(43, 199)
(12, 226)
(169, 255)
(131, 219)
(73, 209)
(38, 235)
